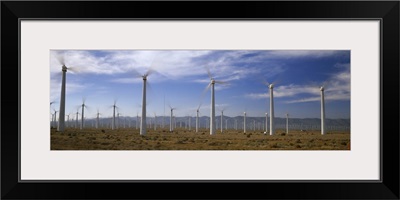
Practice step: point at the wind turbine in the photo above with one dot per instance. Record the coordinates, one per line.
(137, 120)
(236, 124)
(68, 119)
(97, 119)
(52, 115)
(222, 116)
(287, 123)
(113, 119)
(197, 119)
(212, 111)
(170, 119)
(143, 127)
(189, 122)
(83, 113)
(155, 121)
(322, 89)
(117, 125)
(55, 117)
(77, 114)
(244, 122)
(61, 118)
(271, 107)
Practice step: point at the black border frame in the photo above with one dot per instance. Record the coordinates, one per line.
(386, 11)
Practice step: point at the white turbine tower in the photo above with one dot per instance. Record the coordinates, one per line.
(197, 119)
(68, 120)
(77, 114)
(222, 116)
(322, 89)
(190, 128)
(287, 123)
(271, 109)
(244, 122)
(83, 113)
(171, 119)
(266, 123)
(143, 128)
(61, 118)
(97, 119)
(137, 120)
(212, 111)
(55, 117)
(118, 121)
(155, 121)
(115, 107)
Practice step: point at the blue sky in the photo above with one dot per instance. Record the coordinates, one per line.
(180, 78)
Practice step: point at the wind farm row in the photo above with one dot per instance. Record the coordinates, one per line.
(242, 111)
(143, 125)
(190, 123)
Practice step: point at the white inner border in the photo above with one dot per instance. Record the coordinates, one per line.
(39, 163)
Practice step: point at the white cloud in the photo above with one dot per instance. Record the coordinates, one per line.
(337, 87)
(55, 89)
(286, 91)
(169, 64)
(228, 66)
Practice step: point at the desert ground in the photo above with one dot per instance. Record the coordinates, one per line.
(183, 139)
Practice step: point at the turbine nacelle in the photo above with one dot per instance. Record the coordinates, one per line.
(271, 86)
(64, 68)
(322, 88)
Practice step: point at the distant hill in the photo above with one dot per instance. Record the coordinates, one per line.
(233, 122)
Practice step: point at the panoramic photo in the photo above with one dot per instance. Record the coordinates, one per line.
(200, 99)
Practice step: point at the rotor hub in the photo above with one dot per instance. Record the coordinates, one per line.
(322, 88)
(64, 68)
(271, 86)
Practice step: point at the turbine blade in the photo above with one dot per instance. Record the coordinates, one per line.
(205, 90)
(74, 69)
(136, 74)
(265, 82)
(60, 58)
(150, 71)
(208, 72)
(324, 84)
(88, 108)
(222, 82)
(149, 89)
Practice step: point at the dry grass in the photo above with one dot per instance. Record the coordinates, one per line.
(181, 139)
